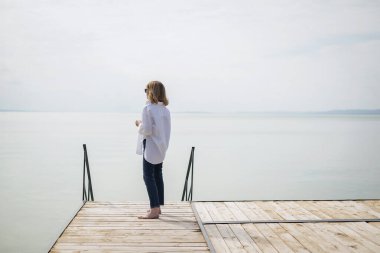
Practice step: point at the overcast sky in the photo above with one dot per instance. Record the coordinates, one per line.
(77, 55)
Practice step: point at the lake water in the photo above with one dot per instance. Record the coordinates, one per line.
(237, 157)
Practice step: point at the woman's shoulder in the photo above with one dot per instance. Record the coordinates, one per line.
(152, 106)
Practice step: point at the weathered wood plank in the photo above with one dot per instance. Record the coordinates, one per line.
(288, 238)
(306, 238)
(373, 204)
(260, 240)
(364, 229)
(128, 232)
(224, 212)
(318, 228)
(270, 208)
(246, 241)
(358, 238)
(204, 215)
(133, 249)
(216, 239)
(133, 238)
(131, 218)
(235, 210)
(273, 238)
(134, 244)
(230, 238)
(307, 205)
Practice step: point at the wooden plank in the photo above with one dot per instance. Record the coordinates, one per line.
(133, 238)
(288, 238)
(299, 212)
(307, 205)
(306, 237)
(134, 244)
(246, 241)
(225, 231)
(328, 236)
(278, 212)
(137, 202)
(330, 210)
(202, 211)
(132, 249)
(212, 210)
(375, 224)
(319, 228)
(260, 240)
(235, 210)
(373, 204)
(287, 211)
(131, 207)
(131, 218)
(358, 238)
(186, 226)
(217, 239)
(350, 246)
(269, 211)
(249, 212)
(264, 209)
(270, 208)
(364, 229)
(363, 209)
(134, 207)
(128, 232)
(130, 211)
(230, 238)
(326, 245)
(223, 211)
(130, 215)
(274, 239)
(345, 209)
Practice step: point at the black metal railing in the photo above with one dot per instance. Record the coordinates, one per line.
(86, 196)
(187, 195)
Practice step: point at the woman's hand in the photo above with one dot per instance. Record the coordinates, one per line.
(138, 122)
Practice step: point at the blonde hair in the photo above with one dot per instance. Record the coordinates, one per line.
(156, 92)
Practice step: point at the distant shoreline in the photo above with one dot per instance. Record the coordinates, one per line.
(327, 112)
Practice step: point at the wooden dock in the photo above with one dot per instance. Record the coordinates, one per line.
(236, 226)
(114, 227)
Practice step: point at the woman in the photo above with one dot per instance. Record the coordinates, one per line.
(154, 135)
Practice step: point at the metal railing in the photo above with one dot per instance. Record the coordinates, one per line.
(86, 196)
(187, 195)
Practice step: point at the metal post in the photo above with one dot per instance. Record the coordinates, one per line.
(84, 195)
(185, 194)
(192, 175)
(89, 189)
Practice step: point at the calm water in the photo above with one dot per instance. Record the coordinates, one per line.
(237, 157)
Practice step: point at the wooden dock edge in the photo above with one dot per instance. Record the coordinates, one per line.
(67, 225)
(250, 200)
(203, 230)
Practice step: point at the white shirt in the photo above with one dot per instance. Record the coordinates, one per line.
(155, 128)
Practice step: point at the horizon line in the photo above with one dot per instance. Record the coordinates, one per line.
(329, 111)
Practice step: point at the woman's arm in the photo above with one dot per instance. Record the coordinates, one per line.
(145, 127)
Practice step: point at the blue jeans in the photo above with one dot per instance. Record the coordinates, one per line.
(154, 182)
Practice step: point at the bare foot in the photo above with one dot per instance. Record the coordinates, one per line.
(153, 214)
(149, 211)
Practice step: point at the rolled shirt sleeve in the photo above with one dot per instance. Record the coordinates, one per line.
(145, 128)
